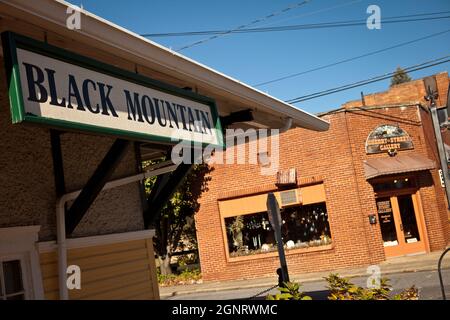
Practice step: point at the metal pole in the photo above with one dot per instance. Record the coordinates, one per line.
(274, 210)
(440, 273)
(442, 153)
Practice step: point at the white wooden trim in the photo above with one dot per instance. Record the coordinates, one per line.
(21, 242)
(92, 241)
(6, 234)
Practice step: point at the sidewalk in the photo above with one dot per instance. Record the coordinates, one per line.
(413, 263)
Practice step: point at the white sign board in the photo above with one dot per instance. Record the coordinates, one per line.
(58, 88)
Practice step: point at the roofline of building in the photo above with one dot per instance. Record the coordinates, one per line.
(106, 32)
(396, 86)
(371, 107)
(343, 107)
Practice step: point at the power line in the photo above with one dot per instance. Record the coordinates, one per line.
(274, 14)
(311, 13)
(362, 82)
(334, 24)
(385, 76)
(189, 33)
(337, 25)
(351, 59)
(365, 82)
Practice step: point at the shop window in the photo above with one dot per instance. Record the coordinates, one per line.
(302, 227)
(11, 283)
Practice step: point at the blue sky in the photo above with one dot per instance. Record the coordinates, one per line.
(257, 57)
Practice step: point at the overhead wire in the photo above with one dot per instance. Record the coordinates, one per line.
(367, 54)
(321, 25)
(273, 14)
(385, 76)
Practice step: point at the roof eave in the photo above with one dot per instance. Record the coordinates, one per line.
(106, 32)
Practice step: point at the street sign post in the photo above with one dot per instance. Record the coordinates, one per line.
(275, 220)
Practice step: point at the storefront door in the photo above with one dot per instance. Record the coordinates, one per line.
(400, 222)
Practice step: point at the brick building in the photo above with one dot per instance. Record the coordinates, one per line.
(363, 191)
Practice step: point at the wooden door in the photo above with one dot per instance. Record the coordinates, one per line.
(400, 222)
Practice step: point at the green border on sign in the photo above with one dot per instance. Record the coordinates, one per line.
(11, 41)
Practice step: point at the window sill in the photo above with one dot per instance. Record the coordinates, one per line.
(275, 253)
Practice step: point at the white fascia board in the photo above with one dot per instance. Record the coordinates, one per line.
(93, 241)
(112, 35)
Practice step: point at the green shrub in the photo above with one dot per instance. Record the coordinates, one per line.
(290, 291)
(185, 277)
(342, 289)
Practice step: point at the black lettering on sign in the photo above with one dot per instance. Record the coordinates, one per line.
(205, 121)
(183, 118)
(52, 89)
(159, 116)
(149, 114)
(133, 106)
(35, 78)
(74, 93)
(172, 113)
(105, 100)
(87, 100)
(96, 97)
(191, 119)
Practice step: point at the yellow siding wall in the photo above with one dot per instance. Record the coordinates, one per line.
(114, 271)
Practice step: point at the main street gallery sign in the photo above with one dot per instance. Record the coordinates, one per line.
(54, 87)
(388, 138)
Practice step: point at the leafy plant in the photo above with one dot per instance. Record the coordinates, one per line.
(411, 293)
(185, 277)
(175, 225)
(342, 289)
(290, 291)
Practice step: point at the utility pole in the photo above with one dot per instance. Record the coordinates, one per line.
(431, 96)
(275, 220)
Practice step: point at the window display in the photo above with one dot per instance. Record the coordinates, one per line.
(302, 227)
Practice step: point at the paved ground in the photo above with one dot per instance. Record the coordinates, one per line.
(404, 271)
(426, 281)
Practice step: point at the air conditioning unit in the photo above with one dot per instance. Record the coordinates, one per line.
(290, 198)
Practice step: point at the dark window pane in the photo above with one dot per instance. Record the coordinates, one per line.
(387, 223)
(305, 226)
(249, 234)
(13, 276)
(408, 217)
(394, 184)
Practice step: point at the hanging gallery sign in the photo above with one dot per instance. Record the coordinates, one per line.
(385, 211)
(57, 88)
(388, 138)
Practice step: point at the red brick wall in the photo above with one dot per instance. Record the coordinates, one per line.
(336, 156)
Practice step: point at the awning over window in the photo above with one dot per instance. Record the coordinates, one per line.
(400, 164)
